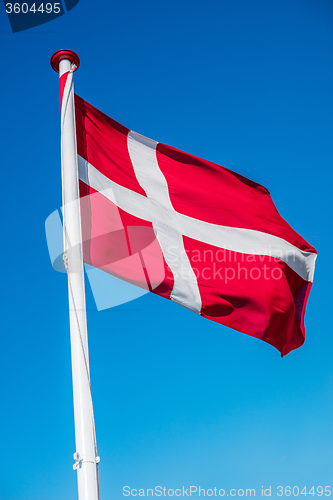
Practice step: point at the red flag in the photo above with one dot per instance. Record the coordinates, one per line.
(191, 231)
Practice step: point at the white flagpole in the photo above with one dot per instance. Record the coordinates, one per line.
(86, 460)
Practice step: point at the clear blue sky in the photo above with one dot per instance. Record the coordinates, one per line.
(178, 400)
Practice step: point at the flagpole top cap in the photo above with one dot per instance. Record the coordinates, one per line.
(64, 54)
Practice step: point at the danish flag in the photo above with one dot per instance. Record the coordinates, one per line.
(191, 231)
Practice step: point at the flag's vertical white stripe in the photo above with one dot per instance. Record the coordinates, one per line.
(142, 152)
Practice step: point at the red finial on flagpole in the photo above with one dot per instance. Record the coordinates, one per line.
(64, 54)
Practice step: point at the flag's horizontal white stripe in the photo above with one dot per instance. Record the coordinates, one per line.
(124, 198)
(241, 240)
(142, 152)
(250, 241)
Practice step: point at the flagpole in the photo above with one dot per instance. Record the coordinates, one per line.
(65, 62)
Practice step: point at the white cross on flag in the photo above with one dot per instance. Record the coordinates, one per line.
(190, 231)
